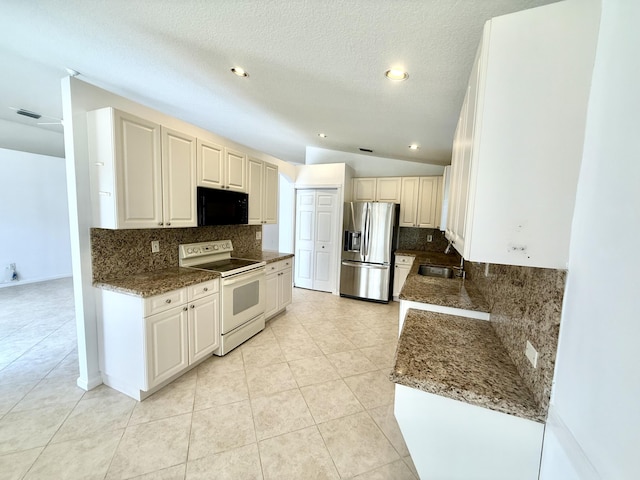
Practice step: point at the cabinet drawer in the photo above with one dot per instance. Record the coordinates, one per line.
(203, 289)
(404, 260)
(165, 301)
(279, 266)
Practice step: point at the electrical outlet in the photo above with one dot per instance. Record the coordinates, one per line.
(532, 354)
(429, 238)
(258, 235)
(155, 246)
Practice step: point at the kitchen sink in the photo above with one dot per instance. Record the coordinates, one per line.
(436, 271)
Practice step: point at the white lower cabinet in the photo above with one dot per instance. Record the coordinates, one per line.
(402, 267)
(279, 286)
(144, 343)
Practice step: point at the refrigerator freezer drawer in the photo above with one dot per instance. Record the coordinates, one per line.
(365, 280)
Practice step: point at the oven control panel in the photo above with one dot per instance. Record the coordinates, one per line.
(192, 250)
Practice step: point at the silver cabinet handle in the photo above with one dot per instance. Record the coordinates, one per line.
(184, 309)
(168, 224)
(168, 300)
(160, 224)
(205, 289)
(193, 306)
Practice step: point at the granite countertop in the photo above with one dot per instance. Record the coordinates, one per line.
(156, 282)
(433, 258)
(446, 292)
(462, 359)
(271, 256)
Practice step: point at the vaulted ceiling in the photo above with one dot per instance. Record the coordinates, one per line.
(315, 66)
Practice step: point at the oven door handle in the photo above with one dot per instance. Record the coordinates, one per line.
(242, 277)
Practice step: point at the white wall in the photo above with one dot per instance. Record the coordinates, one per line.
(370, 166)
(34, 220)
(596, 396)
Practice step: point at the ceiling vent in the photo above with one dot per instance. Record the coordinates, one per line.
(368, 150)
(28, 113)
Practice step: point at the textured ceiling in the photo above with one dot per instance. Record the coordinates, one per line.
(315, 66)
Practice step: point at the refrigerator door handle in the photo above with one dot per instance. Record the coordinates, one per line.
(347, 263)
(366, 234)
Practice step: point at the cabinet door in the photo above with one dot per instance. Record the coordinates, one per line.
(255, 184)
(364, 189)
(138, 165)
(204, 332)
(167, 345)
(285, 287)
(270, 204)
(388, 189)
(178, 179)
(400, 276)
(272, 293)
(427, 202)
(210, 161)
(235, 170)
(409, 201)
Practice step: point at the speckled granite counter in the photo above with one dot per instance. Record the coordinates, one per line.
(153, 283)
(271, 256)
(462, 359)
(161, 281)
(446, 292)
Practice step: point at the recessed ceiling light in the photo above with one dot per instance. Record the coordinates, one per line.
(413, 146)
(322, 135)
(396, 74)
(239, 72)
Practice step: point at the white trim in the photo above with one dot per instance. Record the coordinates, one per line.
(33, 280)
(571, 447)
(429, 307)
(89, 384)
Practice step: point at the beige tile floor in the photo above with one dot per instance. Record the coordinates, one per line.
(307, 398)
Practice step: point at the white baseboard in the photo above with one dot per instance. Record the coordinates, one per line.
(89, 383)
(572, 448)
(33, 280)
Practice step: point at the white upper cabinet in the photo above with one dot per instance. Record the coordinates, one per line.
(364, 189)
(421, 202)
(220, 167)
(518, 146)
(271, 196)
(133, 161)
(178, 179)
(262, 184)
(382, 189)
(388, 189)
(210, 164)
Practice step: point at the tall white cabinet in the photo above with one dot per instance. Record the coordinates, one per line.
(262, 186)
(142, 175)
(421, 202)
(518, 144)
(316, 247)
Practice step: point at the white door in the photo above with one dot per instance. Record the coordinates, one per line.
(210, 165)
(305, 237)
(325, 232)
(270, 204)
(316, 230)
(235, 170)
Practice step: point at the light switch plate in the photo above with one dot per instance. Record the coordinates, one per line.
(532, 354)
(258, 235)
(155, 246)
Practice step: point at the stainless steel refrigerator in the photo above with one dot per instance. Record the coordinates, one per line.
(369, 238)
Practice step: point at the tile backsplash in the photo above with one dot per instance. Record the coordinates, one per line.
(525, 304)
(117, 253)
(410, 238)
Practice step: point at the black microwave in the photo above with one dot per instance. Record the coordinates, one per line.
(222, 207)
